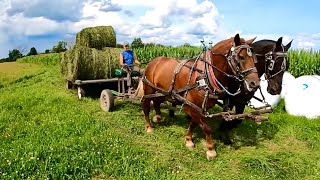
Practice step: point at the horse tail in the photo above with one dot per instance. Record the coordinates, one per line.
(140, 91)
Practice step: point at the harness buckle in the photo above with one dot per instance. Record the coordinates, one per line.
(202, 83)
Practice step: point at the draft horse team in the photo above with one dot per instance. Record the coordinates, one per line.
(229, 71)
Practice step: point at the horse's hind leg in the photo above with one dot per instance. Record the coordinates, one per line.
(171, 111)
(227, 126)
(146, 110)
(156, 104)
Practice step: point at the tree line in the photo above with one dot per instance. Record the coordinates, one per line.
(62, 46)
(15, 54)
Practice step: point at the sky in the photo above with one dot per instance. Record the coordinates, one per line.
(42, 23)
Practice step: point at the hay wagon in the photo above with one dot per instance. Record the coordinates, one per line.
(109, 89)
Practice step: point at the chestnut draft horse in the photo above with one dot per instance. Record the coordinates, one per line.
(197, 84)
(273, 62)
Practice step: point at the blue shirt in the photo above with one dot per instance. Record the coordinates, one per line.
(128, 57)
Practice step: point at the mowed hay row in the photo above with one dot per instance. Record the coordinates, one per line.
(97, 37)
(85, 63)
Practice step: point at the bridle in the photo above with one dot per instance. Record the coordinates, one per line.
(270, 61)
(234, 61)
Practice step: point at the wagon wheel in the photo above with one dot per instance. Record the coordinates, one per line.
(81, 92)
(68, 84)
(106, 100)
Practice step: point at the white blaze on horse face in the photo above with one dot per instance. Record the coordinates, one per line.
(249, 52)
(247, 86)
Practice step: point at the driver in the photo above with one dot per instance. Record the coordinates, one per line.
(128, 60)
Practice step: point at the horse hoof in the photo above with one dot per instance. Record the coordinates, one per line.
(211, 154)
(156, 118)
(190, 145)
(171, 113)
(149, 130)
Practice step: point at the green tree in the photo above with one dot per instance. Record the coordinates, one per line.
(119, 45)
(14, 55)
(186, 45)
(47, 51)
(32, 51)
(137, 42)
(60, 47)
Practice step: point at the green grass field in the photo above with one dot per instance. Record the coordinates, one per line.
(47, 133)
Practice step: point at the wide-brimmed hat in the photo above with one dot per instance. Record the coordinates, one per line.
(126, 43)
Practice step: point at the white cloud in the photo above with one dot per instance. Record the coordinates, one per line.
(58, 10)
(169, 22)
(306, 45)
(32, 26)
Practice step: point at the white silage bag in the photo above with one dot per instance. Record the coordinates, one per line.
(272, 100)
(286, 81)
(303, 97)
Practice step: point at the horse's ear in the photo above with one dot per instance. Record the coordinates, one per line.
(250, 41)
(237, 41)
(279, 42)
(286, 48)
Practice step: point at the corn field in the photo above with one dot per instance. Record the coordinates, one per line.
(302, 62)
(148, 53)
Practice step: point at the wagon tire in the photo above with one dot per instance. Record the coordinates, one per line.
(106, 100)
(81, 92)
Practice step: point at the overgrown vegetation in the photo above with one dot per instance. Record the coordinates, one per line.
(46, 59)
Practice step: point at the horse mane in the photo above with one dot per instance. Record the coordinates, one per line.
(263, 46)
(224, 44)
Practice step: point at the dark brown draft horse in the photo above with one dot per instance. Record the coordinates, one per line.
(197, 84)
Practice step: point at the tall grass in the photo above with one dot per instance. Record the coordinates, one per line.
(46, 59)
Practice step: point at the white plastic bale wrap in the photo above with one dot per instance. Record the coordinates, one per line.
(273, 100)
(286, 81)
(303, 97)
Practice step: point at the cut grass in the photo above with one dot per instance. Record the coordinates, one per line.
(11, 72)
(46, 132)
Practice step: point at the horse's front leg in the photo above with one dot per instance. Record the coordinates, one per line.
(188, 140)
(200, 119)
(211, 152)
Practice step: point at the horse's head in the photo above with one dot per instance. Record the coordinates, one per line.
(276, 63)
(241, 60)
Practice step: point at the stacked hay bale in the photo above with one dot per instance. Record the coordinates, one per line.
(94, 55)
(97, 37)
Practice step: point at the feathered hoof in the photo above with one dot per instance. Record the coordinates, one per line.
(211, 154)
(149, 130)
(156, 118)
(190, 145)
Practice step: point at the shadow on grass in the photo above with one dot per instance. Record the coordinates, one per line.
(247, 133)
(22, 79)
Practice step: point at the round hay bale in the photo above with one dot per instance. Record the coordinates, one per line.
(85, 63)
(97, 37)
(302, 97)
